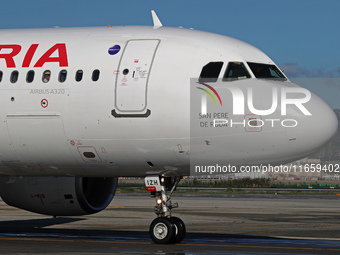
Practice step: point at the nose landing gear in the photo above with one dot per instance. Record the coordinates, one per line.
(164, 229)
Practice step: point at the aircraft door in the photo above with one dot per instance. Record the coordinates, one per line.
(132, 78)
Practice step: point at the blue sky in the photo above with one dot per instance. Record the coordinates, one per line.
(301, 36)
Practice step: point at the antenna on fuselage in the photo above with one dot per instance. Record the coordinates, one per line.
(156, 22)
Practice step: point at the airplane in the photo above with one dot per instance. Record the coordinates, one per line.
(81, 107)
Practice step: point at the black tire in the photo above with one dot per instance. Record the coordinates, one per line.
(180, 229)
(162, 231)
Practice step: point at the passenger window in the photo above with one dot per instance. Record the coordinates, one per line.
(79, 75)
(1, 74)
(95, 75)
(62, 76)
(14, 76)
(30, 76)
(210, 72)
(235, 71)
(46, 76)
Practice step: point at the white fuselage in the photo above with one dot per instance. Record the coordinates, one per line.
(129, 115)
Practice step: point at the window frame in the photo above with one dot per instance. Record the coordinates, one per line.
(62, 77)
(30, 76)
(80, 73)
(228, 69)
(43, 76)
(257, 74)
(95, 75)
(216, 73)
(14, 78)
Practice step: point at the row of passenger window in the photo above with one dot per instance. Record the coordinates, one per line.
(46, 76)
(238, 71)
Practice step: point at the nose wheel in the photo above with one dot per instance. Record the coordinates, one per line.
(167, 230)
(180, 229)
(164, 229)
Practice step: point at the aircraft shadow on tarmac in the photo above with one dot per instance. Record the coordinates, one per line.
(35, 225)
(197, 242)
(41, 227)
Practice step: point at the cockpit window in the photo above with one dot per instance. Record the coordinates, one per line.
(210, 72)
(235, 71)
(264, 71)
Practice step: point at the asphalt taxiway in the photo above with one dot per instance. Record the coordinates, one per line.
(216, 224)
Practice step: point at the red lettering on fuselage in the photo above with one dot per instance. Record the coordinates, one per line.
(29, 55)
(9, 58)
(62, 57)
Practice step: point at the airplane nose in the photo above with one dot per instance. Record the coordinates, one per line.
(311, 132)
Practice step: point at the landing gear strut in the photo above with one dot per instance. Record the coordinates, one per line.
(164, 229)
